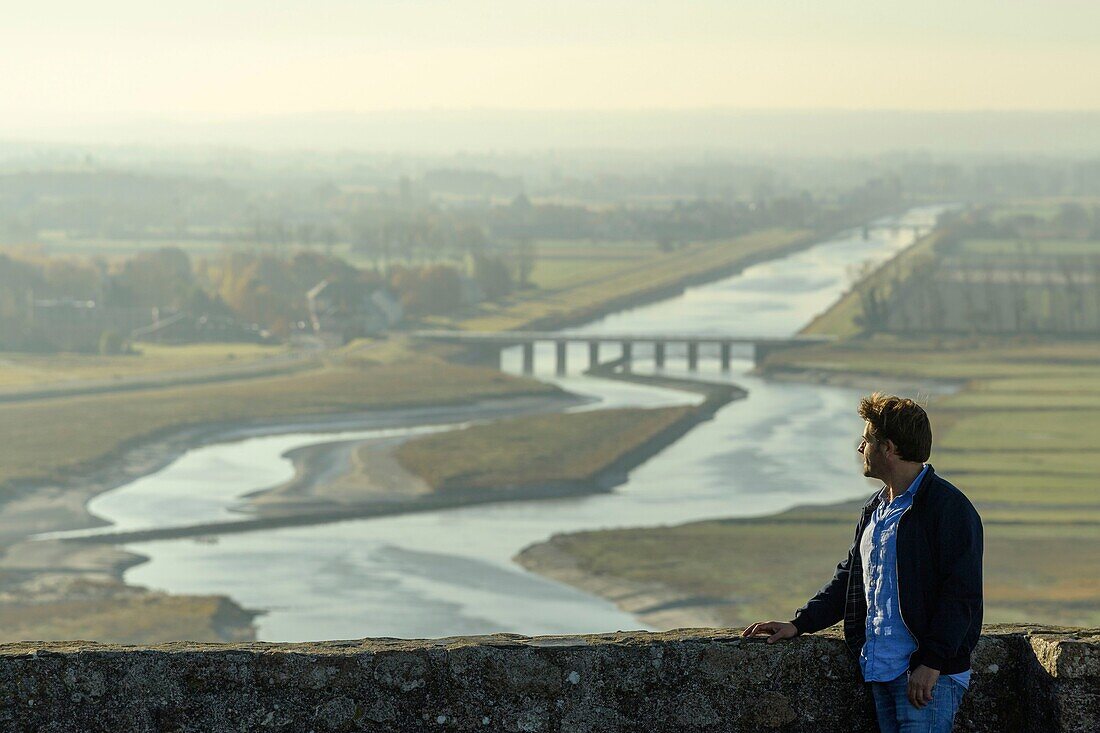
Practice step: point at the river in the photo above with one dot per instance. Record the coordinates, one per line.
(451, 572)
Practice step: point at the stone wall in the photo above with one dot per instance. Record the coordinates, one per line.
(1025, 679)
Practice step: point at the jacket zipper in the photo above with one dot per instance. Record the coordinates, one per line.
(897, 580)
(848, 585)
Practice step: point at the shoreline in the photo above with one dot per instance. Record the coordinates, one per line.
(863, 380)
(154, 452)
(663, 606)
(314, 463)
(99, 561)
(654, 604)
(671, 290)
(35, 573)
(63, 505)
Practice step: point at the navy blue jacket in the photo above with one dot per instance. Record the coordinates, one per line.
(939, 549)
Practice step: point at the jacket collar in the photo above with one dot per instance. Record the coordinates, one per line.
(876, 497)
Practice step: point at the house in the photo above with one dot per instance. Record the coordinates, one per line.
(347, 309)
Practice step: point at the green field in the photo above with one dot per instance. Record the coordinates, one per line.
(18, 370)
(1021, 438)
(533, 450)
(616, 280)
(842, 319)
(564, 265)
(49, 439)
(125, 615)
(757, 569)
(1042, 208)
(1017, 247)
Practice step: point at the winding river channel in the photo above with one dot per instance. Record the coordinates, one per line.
(451, 572)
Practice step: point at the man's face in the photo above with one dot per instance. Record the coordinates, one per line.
(871, 452)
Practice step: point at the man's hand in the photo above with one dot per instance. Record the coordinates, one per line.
(777, 630)
(921, 681)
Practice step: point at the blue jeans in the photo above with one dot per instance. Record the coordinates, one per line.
(897, 715)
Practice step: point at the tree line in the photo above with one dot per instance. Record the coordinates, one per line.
(256, 287)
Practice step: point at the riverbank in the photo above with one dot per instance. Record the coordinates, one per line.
(510, 459)
(1019, 436)
(104, 563)
(654, 603)
(33, 572)
(654, 281)
(397, 371)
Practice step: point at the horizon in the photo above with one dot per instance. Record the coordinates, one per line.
(119, 66)
(834, 132)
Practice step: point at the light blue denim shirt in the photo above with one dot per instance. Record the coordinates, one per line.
(885, 654)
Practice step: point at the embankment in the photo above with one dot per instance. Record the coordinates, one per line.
(308, 506)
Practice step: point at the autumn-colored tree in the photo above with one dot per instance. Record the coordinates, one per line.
(162, 278)
(425, 290)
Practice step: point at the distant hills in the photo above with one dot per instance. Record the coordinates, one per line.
(804, 132)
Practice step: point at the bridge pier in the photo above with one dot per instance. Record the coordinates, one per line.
(529, 357)
(486, 347)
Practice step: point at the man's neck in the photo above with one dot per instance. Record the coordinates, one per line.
(902, 478)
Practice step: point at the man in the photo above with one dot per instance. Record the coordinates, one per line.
(910, 590)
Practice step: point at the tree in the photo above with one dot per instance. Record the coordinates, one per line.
(526, 255)
(110, 343)
(162, 278)
(874, 311)
(492, 275)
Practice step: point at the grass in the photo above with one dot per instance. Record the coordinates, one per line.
(18, 370)
(532, 450)
(1021, 438)
(565, 265)
(1018, 248)
(841, 319)
(623, 280)
(126, 616)
(1045, 208)
(49, 439)
(766, 568)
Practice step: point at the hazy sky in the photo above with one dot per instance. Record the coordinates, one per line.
(74, 62)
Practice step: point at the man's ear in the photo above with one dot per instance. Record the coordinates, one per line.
(889, 448)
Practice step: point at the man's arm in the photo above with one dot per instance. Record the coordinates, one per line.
(961, 542)
(827, 606)
(820, 612)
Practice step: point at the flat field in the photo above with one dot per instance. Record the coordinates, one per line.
(561, 265)
(47, 439)
(1020, 439)
(1020, 436)
(531, 450)
(582, 284)
(19, 370)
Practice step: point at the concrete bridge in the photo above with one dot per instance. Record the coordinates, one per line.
(488, 345)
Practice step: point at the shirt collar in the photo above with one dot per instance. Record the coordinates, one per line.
(911, 491)
(916, 482)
